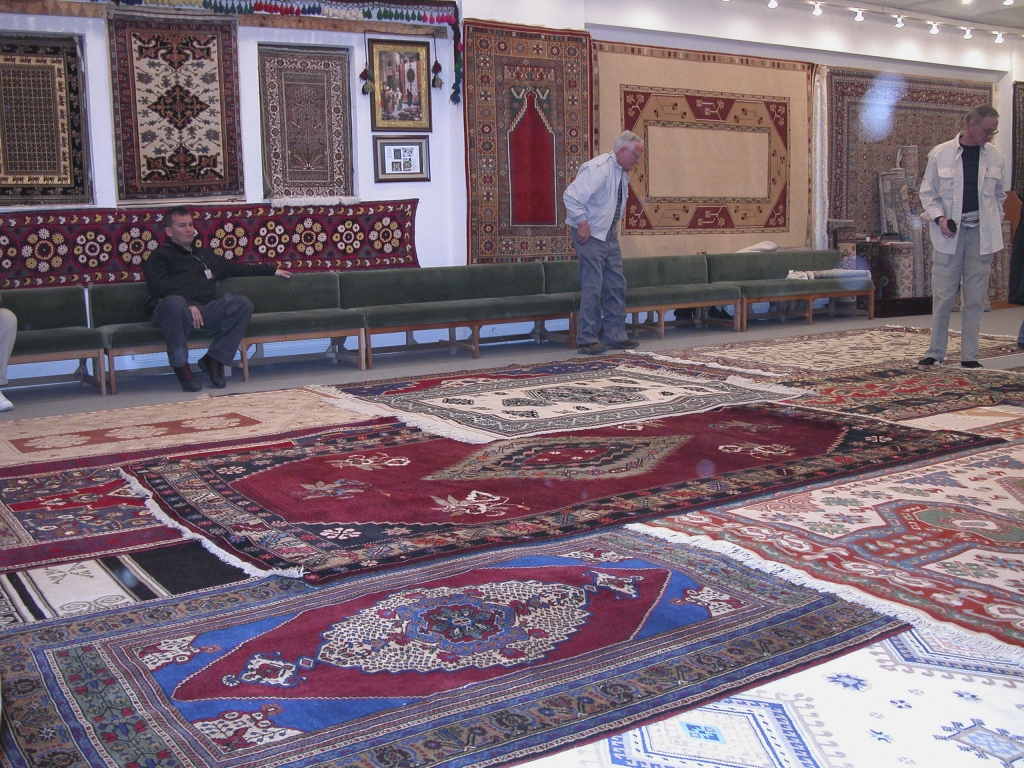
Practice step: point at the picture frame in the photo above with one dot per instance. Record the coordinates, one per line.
(401, 85)
(401, 158)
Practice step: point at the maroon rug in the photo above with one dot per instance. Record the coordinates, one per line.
(382, 494)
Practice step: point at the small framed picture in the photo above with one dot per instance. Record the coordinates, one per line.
(401, 85)
(401, 158)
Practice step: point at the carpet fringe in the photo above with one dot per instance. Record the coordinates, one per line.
(312, 202)
(701, 363)
(985, 643)
(226, 557)
(788, 392)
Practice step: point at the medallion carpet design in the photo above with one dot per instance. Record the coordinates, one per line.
(915, 699)
(520, 401)
(43, 133)
(527, 133)
(833, 352)
(250, 415)
(381, 494)
(946, 539)
(724, 134)
(307, 130)
(899, 394)
(489, 659)
(89, 586)
(871, 115)
(109, 245)
(176, 117)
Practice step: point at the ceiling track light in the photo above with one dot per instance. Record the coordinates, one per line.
(773, 3)
(935, 28)
(1007, 2)
(859, 15)
(899, 22)
(999, 36)
(817, 9)
(967, 33)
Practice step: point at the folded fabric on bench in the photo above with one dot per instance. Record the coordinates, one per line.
(821, 274)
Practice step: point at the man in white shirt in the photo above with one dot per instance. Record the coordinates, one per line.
(594, 203)
(962, 193)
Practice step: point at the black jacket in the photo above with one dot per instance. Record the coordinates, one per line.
(174, 271)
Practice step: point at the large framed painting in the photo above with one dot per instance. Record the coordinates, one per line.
(401, 85)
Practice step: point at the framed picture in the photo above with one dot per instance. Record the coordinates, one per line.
(401, 85)
(401, 158)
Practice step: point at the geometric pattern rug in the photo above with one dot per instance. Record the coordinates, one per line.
(529, 400)
(86, 507)
(89, 586)
(380, 494)
(485, 660)
(945, 540)
(898, 394)
(209, 418)
(920, 698)
(834, 352)
(177, 123)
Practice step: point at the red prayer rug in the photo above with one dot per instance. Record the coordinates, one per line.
(945, 539)
(486, 659)
(109, 245)
(527, 133)
(382, 494)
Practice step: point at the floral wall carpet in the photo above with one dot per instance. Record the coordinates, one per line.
(383, 494)
(521, 401)
(488, 659)
(945, 539)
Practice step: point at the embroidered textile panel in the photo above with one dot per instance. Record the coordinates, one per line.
(176, 117)
(307, 127)
(109, 245)
(527, 133)
(43, 144)
(727, 147)
(872, 115)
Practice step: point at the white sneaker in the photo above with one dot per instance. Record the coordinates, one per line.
(5, 404)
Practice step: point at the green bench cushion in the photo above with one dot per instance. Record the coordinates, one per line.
(561, 277)
(323, 321)
(51, 341)
(315, 290)
(444, 314)
(134, 335)
(118, 304)
(651, 271)
(772, 265)
(766, 289)
(681, 294)
(437, 284)
(40, 309)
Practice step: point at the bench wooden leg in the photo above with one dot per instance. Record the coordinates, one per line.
(475, 337)
(573, 320)
(362, 349)
(810, 309)
(112, 371)
(369, 350)
(737, 317)
(101, 375)
(871, 306)
(454, 350)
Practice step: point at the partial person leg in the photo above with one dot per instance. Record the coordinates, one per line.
(173, 316)
(977, 267)
(613, 293)
(8, 332)
(947, 269)
(591, 268)
(228, 317)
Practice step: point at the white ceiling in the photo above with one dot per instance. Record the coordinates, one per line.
(986, 14)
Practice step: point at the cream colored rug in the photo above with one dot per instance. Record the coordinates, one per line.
(206, 419)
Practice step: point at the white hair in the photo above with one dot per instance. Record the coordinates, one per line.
(626, 138)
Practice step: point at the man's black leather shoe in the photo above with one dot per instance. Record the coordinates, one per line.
(214, 369)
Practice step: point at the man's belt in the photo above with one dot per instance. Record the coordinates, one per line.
(970, 219)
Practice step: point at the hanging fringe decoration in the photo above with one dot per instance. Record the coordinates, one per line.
(367, 74)
(437, 82)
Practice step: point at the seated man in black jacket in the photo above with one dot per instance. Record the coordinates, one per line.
(181, 279)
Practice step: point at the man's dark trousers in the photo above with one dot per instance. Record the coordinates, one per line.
(227, 317)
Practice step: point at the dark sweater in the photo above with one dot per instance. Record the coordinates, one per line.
(175, 271)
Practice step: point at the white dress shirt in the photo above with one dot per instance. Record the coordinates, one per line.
(591, 196)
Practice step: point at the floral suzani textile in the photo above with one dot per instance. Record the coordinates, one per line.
(176, 115)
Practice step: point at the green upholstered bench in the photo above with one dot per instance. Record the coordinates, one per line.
(414, 299)
(53, 325)
(118, 313)
(654, 285)
(761, 277)
(302, 307)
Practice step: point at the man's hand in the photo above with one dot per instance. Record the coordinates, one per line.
(944, 228)
(583, 232)
(197, 316)
(282, 273)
